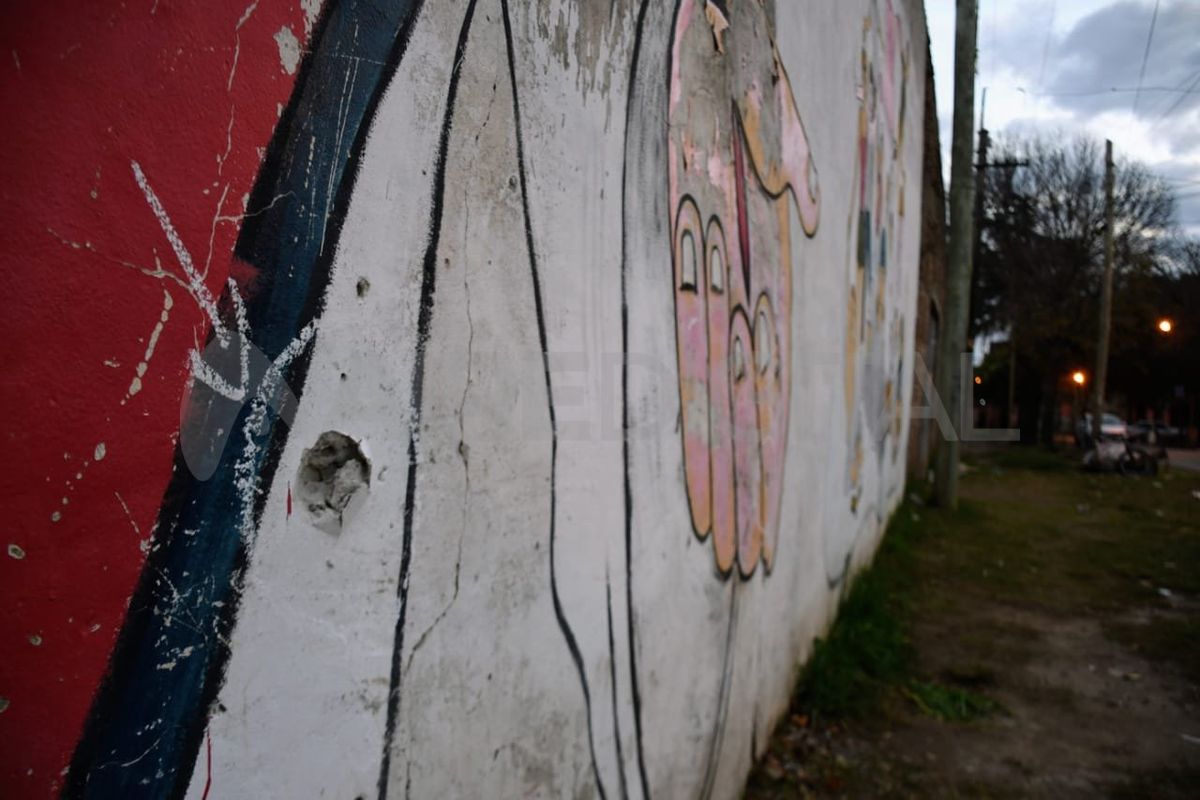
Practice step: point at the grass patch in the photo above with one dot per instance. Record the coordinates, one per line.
(869, 652)
(866, 650)
(949, 703)
(962, 608)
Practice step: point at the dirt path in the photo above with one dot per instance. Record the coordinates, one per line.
(1050, 648)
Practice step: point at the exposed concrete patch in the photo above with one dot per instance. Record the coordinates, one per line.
(334, 476)
(585, 33)
(311, 9)
(289, 50)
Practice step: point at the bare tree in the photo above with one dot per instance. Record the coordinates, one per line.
(1040, 263)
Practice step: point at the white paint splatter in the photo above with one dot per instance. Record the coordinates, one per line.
(246, 15)
(128, 515)
(100, 452)
(135, 385)
(15, 551)
(289, 49)
(246, 476)
(310, 8)
(237, 50)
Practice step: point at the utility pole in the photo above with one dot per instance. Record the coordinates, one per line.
(958, 272)
(981, 167)
(1012, 376)
(1105, 297)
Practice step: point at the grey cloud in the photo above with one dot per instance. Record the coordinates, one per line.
(1104, 50)
(1175, 172)
(1020, 44)
(1187, 214)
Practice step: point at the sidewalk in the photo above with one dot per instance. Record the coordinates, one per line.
(1184, 459)
(1043, 641)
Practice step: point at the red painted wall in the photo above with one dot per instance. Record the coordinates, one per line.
(190, 91)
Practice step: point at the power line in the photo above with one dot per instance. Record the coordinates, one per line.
(1118, 90)
(1145, 56)
(1046, 46)
(1181, 98)
(1150, 107)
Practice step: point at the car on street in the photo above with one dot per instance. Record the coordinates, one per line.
(1140, 431)
(1111, 426)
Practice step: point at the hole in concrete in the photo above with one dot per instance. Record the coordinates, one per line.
(362, 287)
(333, 481)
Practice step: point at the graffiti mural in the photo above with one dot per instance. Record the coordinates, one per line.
(875, 326)
(408, 393)
(738, 156)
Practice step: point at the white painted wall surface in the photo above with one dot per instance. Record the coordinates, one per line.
(523, 541)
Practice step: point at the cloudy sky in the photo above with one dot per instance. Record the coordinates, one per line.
(1073, 66)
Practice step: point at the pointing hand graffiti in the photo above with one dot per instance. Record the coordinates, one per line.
(737, 151)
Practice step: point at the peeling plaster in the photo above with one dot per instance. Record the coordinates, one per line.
(289, 50)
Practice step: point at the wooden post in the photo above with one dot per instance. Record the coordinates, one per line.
(1105, 298)
(958, 277)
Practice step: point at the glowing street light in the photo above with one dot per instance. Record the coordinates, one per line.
(1078, 377)
(978, 380)
(1165, 325)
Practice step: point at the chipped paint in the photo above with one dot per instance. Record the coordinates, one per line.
(289, 49)
(135, 384)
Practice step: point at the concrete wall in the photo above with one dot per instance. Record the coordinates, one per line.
(442, 400)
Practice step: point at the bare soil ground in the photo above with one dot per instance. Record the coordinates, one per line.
(1042, 641)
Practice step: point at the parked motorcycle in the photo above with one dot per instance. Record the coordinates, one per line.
(1120, 455)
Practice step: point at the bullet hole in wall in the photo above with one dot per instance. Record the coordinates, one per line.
(333, 481)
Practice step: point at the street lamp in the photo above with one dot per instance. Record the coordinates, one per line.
(1078, 378)
(1165, 326)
